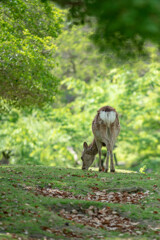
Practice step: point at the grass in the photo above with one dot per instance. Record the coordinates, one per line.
(26, 215)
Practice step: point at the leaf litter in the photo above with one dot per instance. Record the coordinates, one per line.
(105, 218)
(96, 195)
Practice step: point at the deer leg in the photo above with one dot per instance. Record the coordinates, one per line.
(107, 161)
(115, 159)
(112, 169)
(100, 160)
(99, 146)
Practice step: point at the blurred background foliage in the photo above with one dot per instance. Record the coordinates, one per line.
(27, 31)
(120, 27)
(81, 80)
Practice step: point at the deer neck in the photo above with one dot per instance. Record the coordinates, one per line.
(92, 149)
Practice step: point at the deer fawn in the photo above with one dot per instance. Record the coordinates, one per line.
(106, 128)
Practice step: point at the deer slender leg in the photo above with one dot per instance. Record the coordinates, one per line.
(112, 169)
(115, 159)
(99, 146)
(107, 161)
(100, 160)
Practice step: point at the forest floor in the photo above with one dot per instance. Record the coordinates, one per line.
(38, 202)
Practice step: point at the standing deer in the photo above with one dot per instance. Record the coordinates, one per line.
(106, 128)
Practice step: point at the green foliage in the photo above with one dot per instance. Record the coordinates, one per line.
(122, 26)
(140, 111)
(35, 138)
(143, 169)
(78, 56)
(27, 31)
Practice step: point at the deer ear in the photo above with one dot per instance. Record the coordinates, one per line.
(85, 145)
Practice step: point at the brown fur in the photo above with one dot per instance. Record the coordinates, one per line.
(106, 109)
(103, 135)
(92, 148)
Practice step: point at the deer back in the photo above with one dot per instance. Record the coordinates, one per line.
(106, 126)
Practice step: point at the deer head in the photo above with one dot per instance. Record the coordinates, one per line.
(87, 156)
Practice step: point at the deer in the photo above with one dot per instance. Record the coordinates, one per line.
(6, 156)
(105, 128)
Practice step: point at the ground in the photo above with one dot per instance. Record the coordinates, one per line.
(38, 202)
